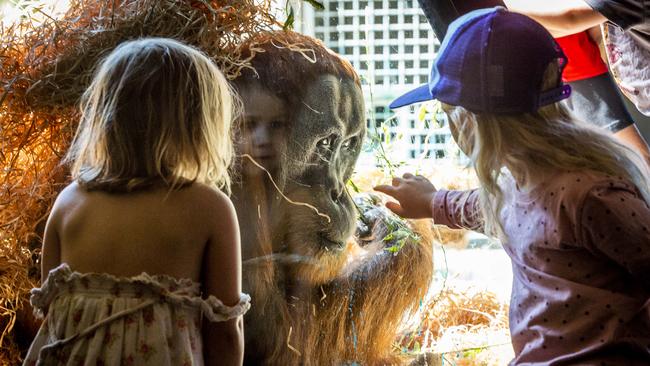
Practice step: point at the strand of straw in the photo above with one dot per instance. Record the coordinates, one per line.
(282, 194)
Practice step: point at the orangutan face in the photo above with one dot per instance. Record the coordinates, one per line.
(323, 143)
(264, 129)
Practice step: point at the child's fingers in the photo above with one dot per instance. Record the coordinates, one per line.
(396, 208)
(389, 190)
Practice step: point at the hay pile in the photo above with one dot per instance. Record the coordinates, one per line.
(462, 328)
(44, 68)
(451, 308)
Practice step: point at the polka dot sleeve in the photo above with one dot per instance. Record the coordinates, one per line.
(616, 223)
(457, 209)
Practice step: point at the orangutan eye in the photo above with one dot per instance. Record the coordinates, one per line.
(349, 143)
(326, 142)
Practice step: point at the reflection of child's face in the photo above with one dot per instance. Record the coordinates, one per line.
(461, 134)
(453, 129)
(263, 130)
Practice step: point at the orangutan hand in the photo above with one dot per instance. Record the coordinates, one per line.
(414, 194)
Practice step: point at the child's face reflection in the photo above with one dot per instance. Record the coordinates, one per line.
(263, 129)
(460, 130)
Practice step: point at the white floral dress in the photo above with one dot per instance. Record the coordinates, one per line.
(100, 319)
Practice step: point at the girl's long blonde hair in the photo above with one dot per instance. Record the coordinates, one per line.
(548, 140)
(157, 111)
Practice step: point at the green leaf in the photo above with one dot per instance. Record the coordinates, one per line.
(288, 24)
(393, 249)
(396, 247)
(315, 4)
(354, 186)
(422, 113)
(401, 234)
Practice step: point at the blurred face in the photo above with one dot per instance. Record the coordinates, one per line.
(453, 129)
(263, 130)
(459, 130)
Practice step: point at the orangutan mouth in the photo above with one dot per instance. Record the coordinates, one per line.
(328, 243)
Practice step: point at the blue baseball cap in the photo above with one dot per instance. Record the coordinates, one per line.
(493, 60)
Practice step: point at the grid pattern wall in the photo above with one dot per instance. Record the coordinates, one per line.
(382, 38)
(391, 45)
(417, 141)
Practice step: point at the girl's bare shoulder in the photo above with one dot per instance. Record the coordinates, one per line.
(206, 201)
(207, 197)
(209, 205)
(72, 195)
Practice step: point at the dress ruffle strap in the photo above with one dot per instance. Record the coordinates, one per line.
(212, 308)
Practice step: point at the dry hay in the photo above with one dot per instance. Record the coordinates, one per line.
(12, 273)
(458, 326)
(44, 68)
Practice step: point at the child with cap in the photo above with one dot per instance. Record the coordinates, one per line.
(567, 200)
(594, 94)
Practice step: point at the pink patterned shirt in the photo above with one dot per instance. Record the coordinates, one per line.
(580, 251)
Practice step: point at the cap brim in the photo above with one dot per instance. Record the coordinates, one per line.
(420, 94)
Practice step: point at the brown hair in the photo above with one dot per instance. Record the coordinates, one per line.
(287, 74)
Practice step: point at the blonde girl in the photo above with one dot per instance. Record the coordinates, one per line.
(141, 255)
(569, 203)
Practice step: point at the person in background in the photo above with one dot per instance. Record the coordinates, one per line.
(625, 29)
(569, 202)
(595, 98)
(574, 23)
(564, 17)
(128, 248)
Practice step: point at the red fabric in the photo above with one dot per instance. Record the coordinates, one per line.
(584, 57)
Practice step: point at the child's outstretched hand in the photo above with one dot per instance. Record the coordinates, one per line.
(414, 194)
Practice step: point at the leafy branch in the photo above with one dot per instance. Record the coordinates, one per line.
(291, 17)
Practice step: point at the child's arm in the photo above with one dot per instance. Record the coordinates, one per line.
(616, 223)
(419, 199)
(223, 341)
(457, 209)
(560, 17)
(51, 250)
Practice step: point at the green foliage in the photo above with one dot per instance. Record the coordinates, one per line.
(315, 4)
(291, 15)
(288, 24)
(380, 144)
(398, 234)
(353, 186)
(433, 109)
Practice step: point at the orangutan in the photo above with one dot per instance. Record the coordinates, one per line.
(320, 297)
